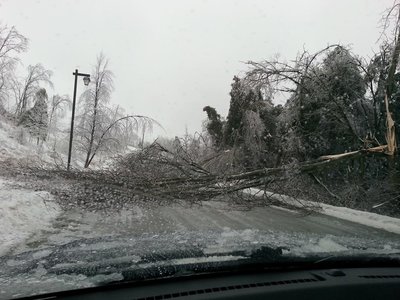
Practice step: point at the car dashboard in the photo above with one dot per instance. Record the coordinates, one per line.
(344, 283)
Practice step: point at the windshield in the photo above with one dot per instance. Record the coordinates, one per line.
(151, 139)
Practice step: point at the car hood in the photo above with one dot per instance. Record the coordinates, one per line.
(98, 261)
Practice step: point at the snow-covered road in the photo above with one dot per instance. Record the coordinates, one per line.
(31, 220)
(210, 217)
(42, 247)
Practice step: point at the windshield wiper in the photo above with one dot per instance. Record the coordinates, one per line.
(183, 263)
(267, 253)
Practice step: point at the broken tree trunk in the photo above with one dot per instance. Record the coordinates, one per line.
(390, 131)
(390, 84)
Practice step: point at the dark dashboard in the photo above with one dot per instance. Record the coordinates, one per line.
(345, 283)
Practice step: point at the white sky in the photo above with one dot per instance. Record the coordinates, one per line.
(172, 58)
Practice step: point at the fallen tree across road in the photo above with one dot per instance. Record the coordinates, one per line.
(158, 174)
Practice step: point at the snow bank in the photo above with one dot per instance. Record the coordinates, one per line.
(22, 213)
(361, 217)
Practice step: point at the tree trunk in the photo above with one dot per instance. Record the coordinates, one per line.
(390, 133)
(93, 130)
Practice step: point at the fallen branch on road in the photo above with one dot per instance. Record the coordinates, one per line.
(158, 174)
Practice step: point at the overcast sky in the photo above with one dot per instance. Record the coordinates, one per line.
(172, 58)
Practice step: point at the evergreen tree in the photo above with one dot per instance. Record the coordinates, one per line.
(36, 118)
(214, 126)
(236, 111)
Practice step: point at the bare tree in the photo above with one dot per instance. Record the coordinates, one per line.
(146, 127)
(107, 138)
(99, 126)
(24, 90)
(11, 44)
(58, 106)
(95, 100)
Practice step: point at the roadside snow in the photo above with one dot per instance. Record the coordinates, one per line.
(14, 144)
(361, 217)
(23, 213)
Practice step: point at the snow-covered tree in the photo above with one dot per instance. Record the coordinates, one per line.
(24, 89)
(214, 126)
(12, 43)
(101, 127)
(58, 107)
(237, 108)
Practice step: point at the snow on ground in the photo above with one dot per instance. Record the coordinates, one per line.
(16, 144)
(23, 213)
(374, 220)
